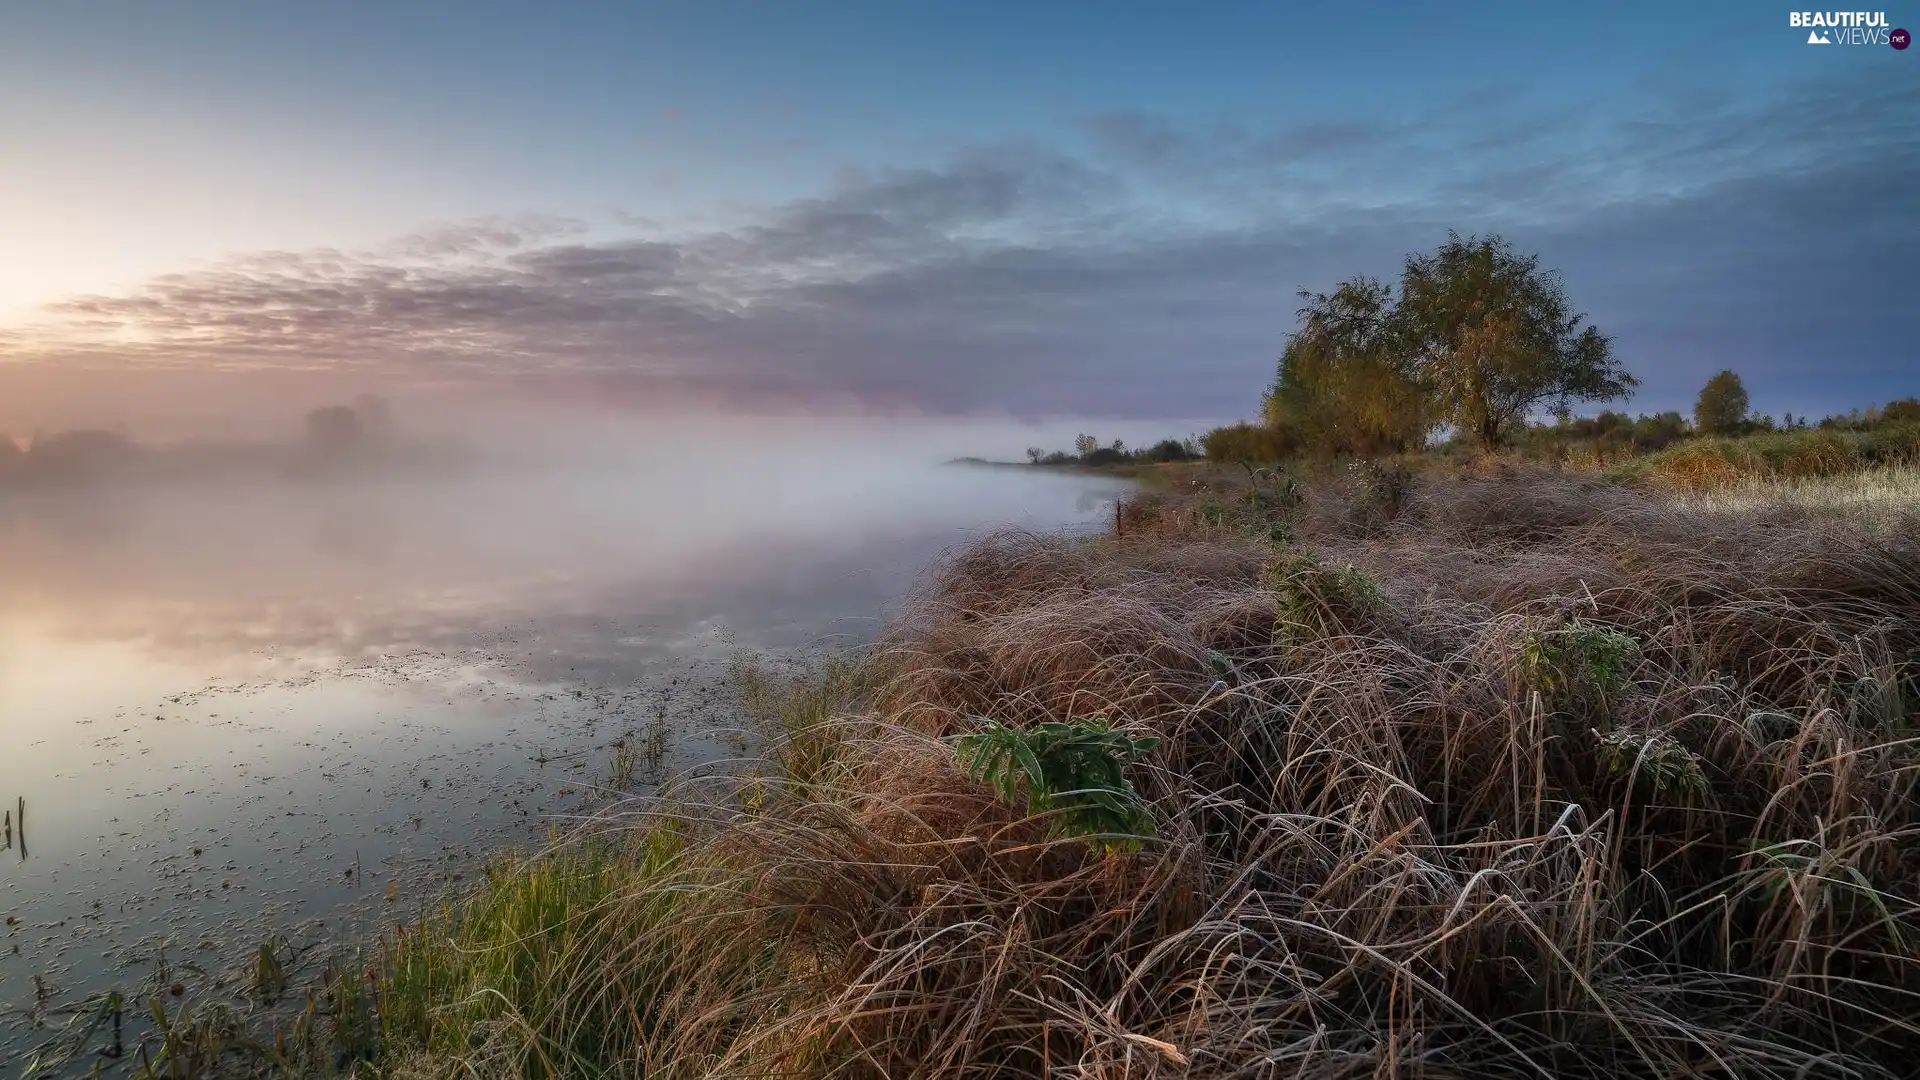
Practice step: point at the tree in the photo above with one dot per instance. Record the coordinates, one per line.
(1341, 385)
(1085, 444)
(1721, 408)
(1168, 450)
(376, 418)
(1901, 411)
(80, 455)
(1493, 337)
(335, 429)
(1035, 454)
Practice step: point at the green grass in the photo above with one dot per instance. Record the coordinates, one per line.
(512, 975)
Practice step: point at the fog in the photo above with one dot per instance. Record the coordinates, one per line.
(497, 511)
(239, 659)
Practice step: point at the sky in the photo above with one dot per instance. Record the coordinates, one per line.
(1079, 209)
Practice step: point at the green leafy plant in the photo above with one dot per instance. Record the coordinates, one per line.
(1314, 599)
(1578, 664)
(1072, 771)
(1658, 761)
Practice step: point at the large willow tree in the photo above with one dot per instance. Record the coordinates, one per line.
(1495, 338)
(1342, 386)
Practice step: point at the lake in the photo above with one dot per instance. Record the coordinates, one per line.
(288, 713)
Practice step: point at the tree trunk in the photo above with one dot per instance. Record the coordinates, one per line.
(1490, 432)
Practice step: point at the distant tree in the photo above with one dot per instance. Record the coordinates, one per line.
(1722, 406)
(1661, 430)
(1166, 450)
(1901, 411)
(1118, 446)
(334, 430)
(376, 419)
(80, 455)
(1494, 336)
(1035, 454)
(1085, 444)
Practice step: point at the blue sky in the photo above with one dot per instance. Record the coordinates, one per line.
(1091, 208)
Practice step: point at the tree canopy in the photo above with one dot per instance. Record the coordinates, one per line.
(1495, 337)
(1722, 405)
(1342, 385)
(1478, 337)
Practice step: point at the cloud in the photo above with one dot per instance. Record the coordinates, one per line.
(1146, 267)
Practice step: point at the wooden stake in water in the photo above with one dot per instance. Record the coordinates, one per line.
(21, 817)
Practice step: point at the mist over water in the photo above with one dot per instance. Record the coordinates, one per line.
(243, 706)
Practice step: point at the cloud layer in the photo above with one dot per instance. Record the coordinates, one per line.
(1143, 267)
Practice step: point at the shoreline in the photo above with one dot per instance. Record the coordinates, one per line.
(1204, 631)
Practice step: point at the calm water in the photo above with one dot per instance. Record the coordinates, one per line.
(290, 712)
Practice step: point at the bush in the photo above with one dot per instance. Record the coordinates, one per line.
(1904, 411)
(1247, 443)
(1315, 599)
(1166, 450)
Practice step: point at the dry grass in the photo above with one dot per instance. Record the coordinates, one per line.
(1889, 494)
(1522, 775)
(1709, 464)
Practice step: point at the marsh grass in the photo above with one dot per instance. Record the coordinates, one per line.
(624, 767)
(1883, 492)
(1712, 464)
(1534, 777)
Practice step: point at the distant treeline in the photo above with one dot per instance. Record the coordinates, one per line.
(1088, 451)
(336, 439)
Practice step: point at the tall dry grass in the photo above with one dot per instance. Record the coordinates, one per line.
(1519, 775)
(1708, 464)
